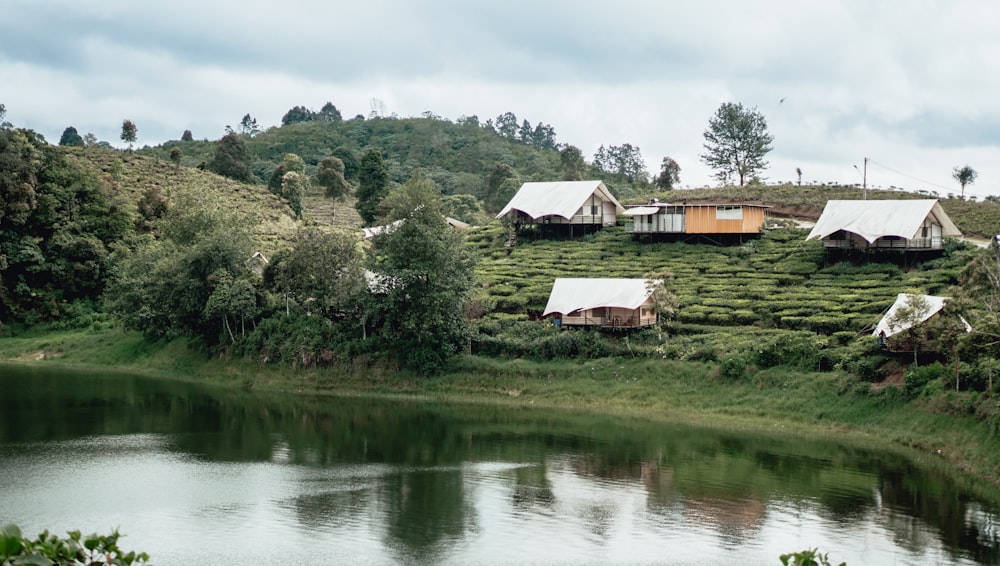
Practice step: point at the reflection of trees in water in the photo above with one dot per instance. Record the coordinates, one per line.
(532, 489)
(331, 509)
(912, 498)
(722, 477)
(426, 510)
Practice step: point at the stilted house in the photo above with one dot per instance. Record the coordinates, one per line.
(894, 331)
(697, 219)
(604, 303)
(903, 225)
(369, 233)
(583, 204)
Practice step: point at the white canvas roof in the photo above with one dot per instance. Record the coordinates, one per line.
(873, 219)
(560, 198)
(569, 294)
(641, 210)
(933, 305)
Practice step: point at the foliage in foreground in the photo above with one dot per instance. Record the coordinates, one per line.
(806, 558)
(75, 549)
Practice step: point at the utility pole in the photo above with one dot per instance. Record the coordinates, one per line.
(864, 182)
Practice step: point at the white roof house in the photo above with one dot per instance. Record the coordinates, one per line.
(564, 199)
(373, 231)
(922, 222)
(930, 305)
(570, 295)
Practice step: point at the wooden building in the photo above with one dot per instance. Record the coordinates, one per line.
(603, 303)
(571, 203)
(697, 219)
(883, 225)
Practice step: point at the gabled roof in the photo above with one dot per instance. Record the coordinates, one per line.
(569, 294)
(931, 306)
(561, 198)
(873, 219)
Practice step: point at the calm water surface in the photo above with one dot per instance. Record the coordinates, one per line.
(195, 475)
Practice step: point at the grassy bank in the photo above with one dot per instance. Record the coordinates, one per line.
(812, 404)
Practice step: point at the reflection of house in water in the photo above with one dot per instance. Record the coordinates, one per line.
(735, 518)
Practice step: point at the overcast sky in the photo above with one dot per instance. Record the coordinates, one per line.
(912, 85)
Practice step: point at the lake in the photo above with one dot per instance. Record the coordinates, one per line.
(199, 475)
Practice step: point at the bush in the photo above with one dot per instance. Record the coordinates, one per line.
(917, 379)
(75, 550)
(734, 366)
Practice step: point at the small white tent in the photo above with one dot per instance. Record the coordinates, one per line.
(574, 202)
(929, 305)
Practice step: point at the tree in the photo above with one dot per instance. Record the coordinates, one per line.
(163, 287)
(176, 154)
(417, 314)
(965, 175)
(298, 114)
(373, 185)
(187, 136)
(506, 125)
(248, 126)
(572, 163)
(71, 137)
(670, 174)
(293, 188)
(624, 161)
(351, 163)
(331, 177)
(495, 199)
(232, 159)
(129, 133)
(736, 142)
(329, 113)
(322, 265)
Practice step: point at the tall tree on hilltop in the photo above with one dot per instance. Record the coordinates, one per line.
(670, 174)
(232, 158)
(373, 185)
(187, 136)
(329, 113)
(965, 175)
(298, 114)
(248, 126)
(71, 137)
(130, 133)
(736, 142)
(506, 125)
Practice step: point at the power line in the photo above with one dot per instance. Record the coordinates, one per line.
(884, 166)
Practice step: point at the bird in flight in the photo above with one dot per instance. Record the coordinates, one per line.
(782, 100)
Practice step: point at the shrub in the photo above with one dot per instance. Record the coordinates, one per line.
(75, 550)
(917, 379)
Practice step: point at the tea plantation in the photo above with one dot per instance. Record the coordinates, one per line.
(777, 293)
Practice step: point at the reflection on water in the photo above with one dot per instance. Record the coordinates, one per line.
(196, 475)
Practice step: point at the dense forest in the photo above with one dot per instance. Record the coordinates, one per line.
(250, 246)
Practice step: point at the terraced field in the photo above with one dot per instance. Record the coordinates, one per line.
(779, 285)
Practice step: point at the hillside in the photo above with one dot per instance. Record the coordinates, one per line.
(131, 175)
